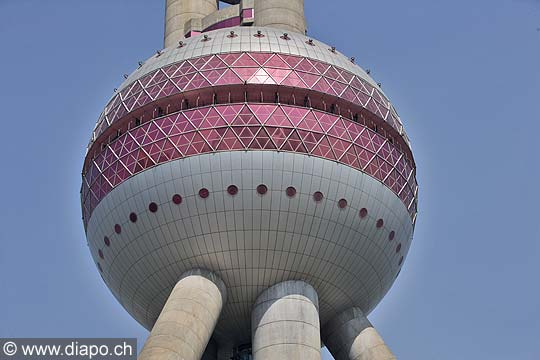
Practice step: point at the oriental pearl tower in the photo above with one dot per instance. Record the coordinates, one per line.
(249, 192)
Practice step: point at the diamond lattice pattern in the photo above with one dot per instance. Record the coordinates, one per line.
(248, 68)
(248, 127)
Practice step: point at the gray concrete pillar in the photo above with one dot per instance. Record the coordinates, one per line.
(179, 12)
(187, 321)
(285, 323)
(350, 336)
(283, 14)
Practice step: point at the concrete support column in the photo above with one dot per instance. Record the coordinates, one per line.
(187, 321)
(282, 14)
(285, 323)
(350, 336)
(179, 12)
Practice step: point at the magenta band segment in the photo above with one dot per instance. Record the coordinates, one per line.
(231, 127)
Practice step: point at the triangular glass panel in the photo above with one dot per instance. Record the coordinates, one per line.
(309, 79)
(293, 80)
(310, 139)
(197, 117)
(197, 82)
(182, 82)
(323, 86)
(277, 62)
(291, 60)
(324, 149)
(294, 143)
(338, 146)
(295, 114)
(321, 67)
(184, 69)
(229, 78)
(245, 61)
(278, 135)
(311, 123)
(350, 158)
(214, 63)
(278, 75)
(230, 58)
(246, 134)
(325, 120)
(260, 58)
(306, 66)
(245, 117)
(246, 73)
(182, 124)
(213, 119)
(262, 111)
(229, 112)
(261, 77)
(339, 130)
(198, 63)
(198, 145)
(278, 118)
(230, 141)
(262, 141)
(213, 136)
(213, 75)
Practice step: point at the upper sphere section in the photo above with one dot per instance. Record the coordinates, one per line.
(250, 40)
(245, 40)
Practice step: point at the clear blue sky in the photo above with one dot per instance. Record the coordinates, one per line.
(464, 76)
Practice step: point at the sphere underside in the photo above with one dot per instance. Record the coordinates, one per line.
(349, 244)
(260, 157)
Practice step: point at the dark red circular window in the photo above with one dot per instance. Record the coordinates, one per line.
(392, 235)
(398, 248)
(342, 204)
(100, 253)
(380, 223)
(153, 207)
(232, 190)
(400, 261)
(133, 217)
(177, 199)
(318, 196)
(291, 192)
(363, 213)
(262, 189)
(204, 193)
(107, 241)
(117, 229)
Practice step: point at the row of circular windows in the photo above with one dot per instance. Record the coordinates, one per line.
(262, 189)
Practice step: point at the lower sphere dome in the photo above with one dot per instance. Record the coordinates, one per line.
(251, 241)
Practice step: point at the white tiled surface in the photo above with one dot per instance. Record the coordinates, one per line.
(251, 241)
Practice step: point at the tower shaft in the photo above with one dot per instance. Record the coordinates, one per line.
(184, 16)
(180, 12)
(283, 14)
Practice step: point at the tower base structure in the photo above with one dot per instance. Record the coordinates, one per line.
(285, 325)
